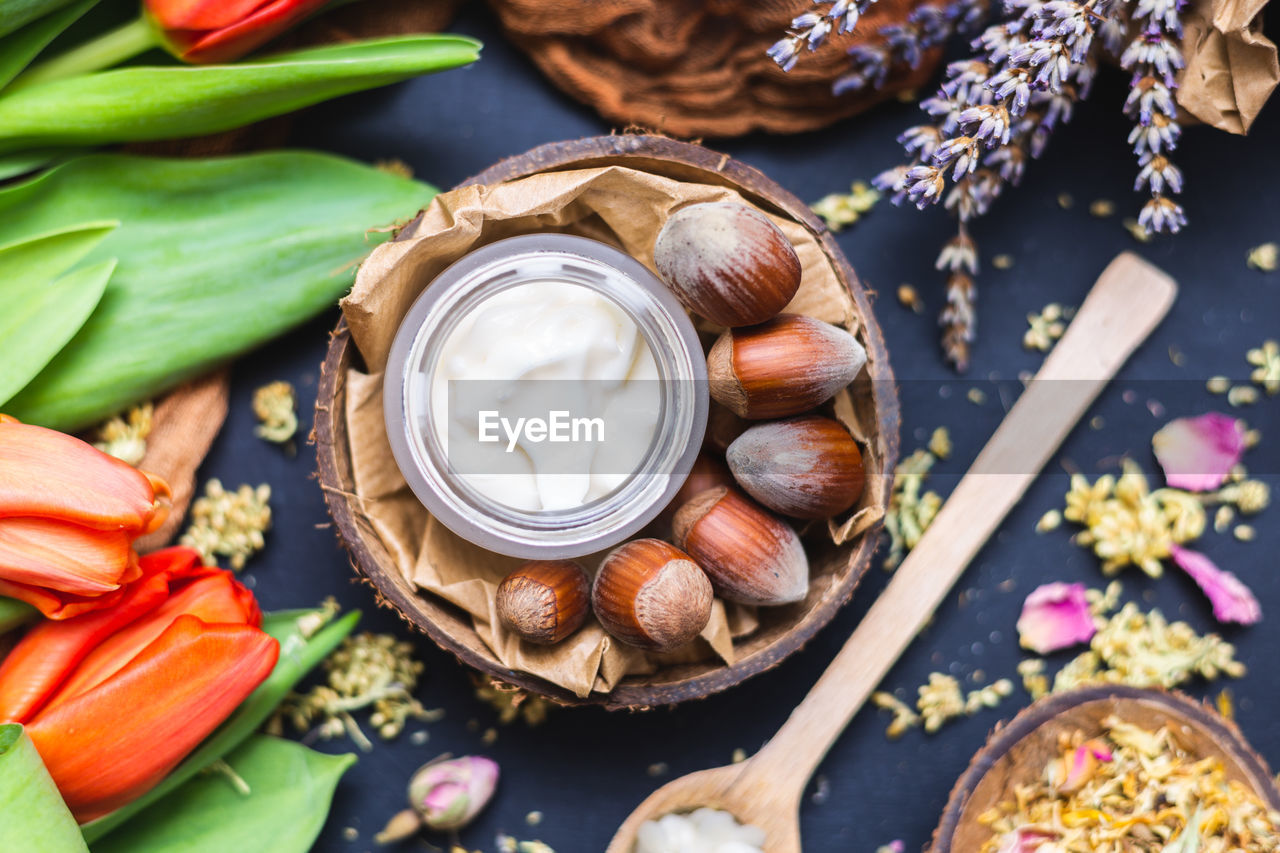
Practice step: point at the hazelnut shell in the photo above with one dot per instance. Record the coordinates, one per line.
(805, 467)
(652, 595)
(750, 555)
(783, 367)
(727, 263)
(708, 471)
(544, 601)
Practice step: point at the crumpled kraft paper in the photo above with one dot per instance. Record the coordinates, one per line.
(1232, 68)
(620, 206)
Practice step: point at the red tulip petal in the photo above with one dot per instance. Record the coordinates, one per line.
(63, 557)
(201, 14)
(237, 39)
(115, 742)
(58, 605)
(214, 598)
(49, 652)
(48, 474)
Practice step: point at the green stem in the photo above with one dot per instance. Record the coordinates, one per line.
(106, 51)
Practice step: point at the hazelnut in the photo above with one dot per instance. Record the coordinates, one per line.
(723, 426)
(805, 467)
(652, 595)
(783, 367)
(708, 471)
(750, 555)
(544, 601)
(727, 263)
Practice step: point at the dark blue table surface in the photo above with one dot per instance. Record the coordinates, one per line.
(585, 769)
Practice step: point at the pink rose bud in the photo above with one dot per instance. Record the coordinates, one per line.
(448, 793)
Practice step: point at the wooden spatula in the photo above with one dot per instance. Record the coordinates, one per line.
(1126, 304)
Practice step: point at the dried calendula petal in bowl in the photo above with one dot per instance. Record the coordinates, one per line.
(1112, 769)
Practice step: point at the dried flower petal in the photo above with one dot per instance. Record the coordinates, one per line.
(1232, 600)
(1055, 616)
(1198, 453)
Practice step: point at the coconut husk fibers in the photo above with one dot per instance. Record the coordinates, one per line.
(625, 208)
(693, 68)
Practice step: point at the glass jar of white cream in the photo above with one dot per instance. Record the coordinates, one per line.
(545, 396)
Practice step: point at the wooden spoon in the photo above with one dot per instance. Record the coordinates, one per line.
(1126, 304)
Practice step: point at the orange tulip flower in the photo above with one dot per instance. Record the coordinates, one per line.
(116, 698)
(68, 517)
(223, 30)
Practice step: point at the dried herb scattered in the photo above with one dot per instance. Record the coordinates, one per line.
(124, 436)
(1265, 257)
(1131, 789)
(229, 524)
(275, 406)
(910, 511)
(1044, 329)
(840, 210)
(938, 701)
(1266, 362)
(1129, 524)
(367, 670)
(512, 703)
(909, 297)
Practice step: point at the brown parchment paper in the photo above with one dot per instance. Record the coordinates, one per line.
(620, 206)
(1232, 67)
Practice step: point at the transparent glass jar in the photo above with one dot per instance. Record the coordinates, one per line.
(677, 436)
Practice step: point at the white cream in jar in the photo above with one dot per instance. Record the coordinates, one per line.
(545, 396)
(563, 331)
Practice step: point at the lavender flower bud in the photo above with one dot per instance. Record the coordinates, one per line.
(449, 793)
(1162, 214)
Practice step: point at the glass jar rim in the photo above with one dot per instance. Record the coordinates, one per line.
(670, 336)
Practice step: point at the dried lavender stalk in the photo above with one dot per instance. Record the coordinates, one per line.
(927, 26)
(1155, 57)
(998, 109)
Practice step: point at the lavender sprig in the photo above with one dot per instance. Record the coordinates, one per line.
(991, 114)
(903, 45)
(810, 30)
(1155, 57)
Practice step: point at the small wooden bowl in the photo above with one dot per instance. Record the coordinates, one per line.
(1018, 751)
(836, 571)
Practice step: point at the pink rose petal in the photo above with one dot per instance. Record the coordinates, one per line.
(1026, 839)
(1055, 616)
(1198, 453)
(1232, 600)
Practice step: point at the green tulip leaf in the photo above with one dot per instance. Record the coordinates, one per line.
(42, 315)
(33, 818)
(43, 320)
(15, 614)
(299, 654)
(15, 14)
(18, 49)
(215, 257)
(144, 103)
(24, 162)
(290, 789)
(39, 258)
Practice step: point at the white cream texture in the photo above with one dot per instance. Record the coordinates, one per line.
(703, 831)
(547, 330)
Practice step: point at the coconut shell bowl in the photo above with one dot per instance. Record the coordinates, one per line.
(1018, 752)
(835, 569)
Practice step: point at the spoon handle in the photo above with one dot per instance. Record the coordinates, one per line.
(1125, 305)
